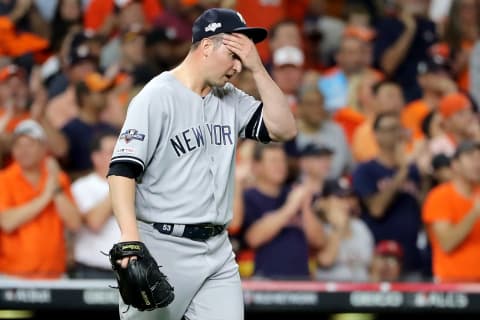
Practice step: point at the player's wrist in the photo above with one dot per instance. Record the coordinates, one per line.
(258, 70)
(131, 236)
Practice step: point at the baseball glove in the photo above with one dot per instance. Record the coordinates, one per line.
(141, 284)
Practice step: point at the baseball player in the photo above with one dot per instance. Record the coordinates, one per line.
(172, 171)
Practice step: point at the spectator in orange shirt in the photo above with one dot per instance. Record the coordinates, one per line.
(126, 14)
(388, 97)
(36, 208)
(13, 104)
(435, 82)
(103, 15)
(13, 97)
(18, 103)
(264, 14)
(451, 212)
(458, 121)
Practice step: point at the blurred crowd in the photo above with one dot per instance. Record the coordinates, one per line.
(380, 184)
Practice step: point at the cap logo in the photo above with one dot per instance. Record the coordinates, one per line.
(213, 26)
(241, 18)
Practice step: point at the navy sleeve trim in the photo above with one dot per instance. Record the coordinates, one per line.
(256, 128)
(126, 169)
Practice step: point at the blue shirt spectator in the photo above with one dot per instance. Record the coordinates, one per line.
(286, 255)
(402, 221)
(80, 135)
(389, 32)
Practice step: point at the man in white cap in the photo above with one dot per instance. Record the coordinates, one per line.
(287, 72)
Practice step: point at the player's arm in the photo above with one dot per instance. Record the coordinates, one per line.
(276, 114)
(122, 196)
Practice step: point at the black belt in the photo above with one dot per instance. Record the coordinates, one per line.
(197, 232)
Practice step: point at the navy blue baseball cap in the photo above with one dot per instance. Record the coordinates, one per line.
(337, 187)
(311, 150)
(219, 20)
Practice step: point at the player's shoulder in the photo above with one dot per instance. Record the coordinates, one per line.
(160, 87)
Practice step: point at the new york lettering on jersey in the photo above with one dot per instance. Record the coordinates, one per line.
(190, 139)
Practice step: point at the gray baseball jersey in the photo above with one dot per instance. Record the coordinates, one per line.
(185, 145)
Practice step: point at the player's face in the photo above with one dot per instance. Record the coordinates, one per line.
(223, 63)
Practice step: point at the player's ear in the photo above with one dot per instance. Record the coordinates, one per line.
(206, 45)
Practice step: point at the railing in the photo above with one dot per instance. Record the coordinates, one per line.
(321, 297)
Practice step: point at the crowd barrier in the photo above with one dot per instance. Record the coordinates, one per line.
(261, 296)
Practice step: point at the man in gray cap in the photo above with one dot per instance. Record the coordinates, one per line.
(36, 207)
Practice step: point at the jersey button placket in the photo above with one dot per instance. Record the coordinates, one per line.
(209, 151)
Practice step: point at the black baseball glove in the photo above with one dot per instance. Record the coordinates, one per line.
(141, 284)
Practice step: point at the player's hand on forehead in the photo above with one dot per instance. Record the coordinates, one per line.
(245, 49)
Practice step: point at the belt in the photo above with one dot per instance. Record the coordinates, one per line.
(197, 232)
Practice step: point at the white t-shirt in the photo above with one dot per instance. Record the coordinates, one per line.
(88, 192)
(354, 256)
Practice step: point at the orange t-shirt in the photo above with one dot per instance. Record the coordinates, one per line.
(37, 248)
(364, 143)
(262, 14)
(98, 10)
(444, 203)
(349, 119)
(412, 117)
(15, 120)
(463, 78)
